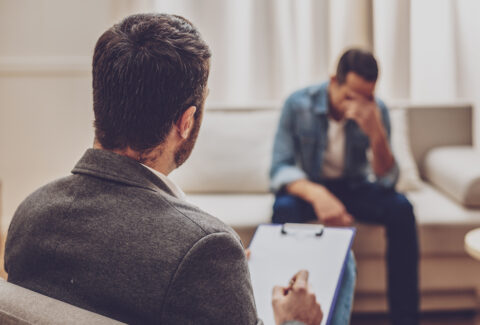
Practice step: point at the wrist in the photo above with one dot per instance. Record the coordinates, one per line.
(377, 136)
(305, 189)
(314, 192)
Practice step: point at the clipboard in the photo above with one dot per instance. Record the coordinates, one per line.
(280, 251)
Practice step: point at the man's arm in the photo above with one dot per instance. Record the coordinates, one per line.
(328, 208)
(369, 118)
(388, 179)
(285, 174)
(284, 169)
(373, 119)
(211, 285)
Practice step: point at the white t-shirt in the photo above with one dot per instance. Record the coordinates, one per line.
(334, 155)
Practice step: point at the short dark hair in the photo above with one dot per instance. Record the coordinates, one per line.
(358, 61)
(147, 70)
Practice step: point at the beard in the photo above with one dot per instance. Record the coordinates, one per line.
(186, 148)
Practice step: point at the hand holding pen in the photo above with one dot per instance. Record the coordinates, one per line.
(296, 301)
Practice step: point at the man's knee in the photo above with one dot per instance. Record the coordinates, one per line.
(288, 208)
(401, 211)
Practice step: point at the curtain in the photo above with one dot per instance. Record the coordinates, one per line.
(263, 50)
(429, 51)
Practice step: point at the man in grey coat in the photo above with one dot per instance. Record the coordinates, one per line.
(117, 237)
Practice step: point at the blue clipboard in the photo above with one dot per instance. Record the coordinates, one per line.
(279, 251)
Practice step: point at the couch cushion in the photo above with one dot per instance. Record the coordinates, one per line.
(236, 210)
(409, 179)
(442, 223)
(456, 171)
(232, 154)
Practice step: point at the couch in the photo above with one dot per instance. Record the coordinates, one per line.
(19, 306)
(227, 175)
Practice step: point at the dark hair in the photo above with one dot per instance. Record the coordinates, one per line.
(358, 61)
(147, 70)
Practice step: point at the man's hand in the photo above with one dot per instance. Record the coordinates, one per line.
(366, 113)
(329, 210)
(296, 302)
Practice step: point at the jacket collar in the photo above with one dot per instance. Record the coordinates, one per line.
(118, 168)
(319, 97)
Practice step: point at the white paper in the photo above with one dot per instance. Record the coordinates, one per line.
(276, 257)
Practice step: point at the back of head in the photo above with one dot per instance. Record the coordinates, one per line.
(147, 70)
(360, 62)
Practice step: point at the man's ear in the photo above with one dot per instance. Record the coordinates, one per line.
(185, 122)
(333, 79)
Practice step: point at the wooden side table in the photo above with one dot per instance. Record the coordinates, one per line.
(472, 247)
(472, 243)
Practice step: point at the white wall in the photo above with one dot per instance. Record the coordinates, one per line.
(45, 88)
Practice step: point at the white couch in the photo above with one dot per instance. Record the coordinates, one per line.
(227, 175)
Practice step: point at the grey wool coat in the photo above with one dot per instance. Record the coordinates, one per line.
(112, 239)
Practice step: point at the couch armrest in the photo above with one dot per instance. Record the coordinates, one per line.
(22, 306)
(456, 171)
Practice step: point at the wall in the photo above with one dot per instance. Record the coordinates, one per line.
(45, 88)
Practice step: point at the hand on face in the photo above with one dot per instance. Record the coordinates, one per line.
(364, 111)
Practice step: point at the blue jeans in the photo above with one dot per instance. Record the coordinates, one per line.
(371, 203)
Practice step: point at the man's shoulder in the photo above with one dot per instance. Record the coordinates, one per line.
(381, 104)
(52, 193)
(121, 208)
(303, 97)
(196, 219)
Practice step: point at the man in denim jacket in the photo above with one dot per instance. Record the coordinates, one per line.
(332, 162)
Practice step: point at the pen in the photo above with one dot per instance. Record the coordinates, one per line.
(290, 285)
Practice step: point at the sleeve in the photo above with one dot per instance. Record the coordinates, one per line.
(284, 169)
(391, 177)
(212, 285)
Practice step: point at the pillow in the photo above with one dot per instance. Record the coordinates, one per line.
(456, 171)
(232, 154)
(409, 179)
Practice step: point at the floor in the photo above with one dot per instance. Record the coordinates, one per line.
(457, 318)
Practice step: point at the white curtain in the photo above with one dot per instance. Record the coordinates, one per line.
(265, 49)
(428, 50)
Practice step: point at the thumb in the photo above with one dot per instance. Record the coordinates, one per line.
(278, 292)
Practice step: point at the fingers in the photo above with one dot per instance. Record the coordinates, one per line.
(347, 219)
(340, 219)
(278, 292)
(301, 280)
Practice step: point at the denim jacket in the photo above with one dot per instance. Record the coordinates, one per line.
(301, 140)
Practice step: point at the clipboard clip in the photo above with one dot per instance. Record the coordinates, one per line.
(292, 227)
